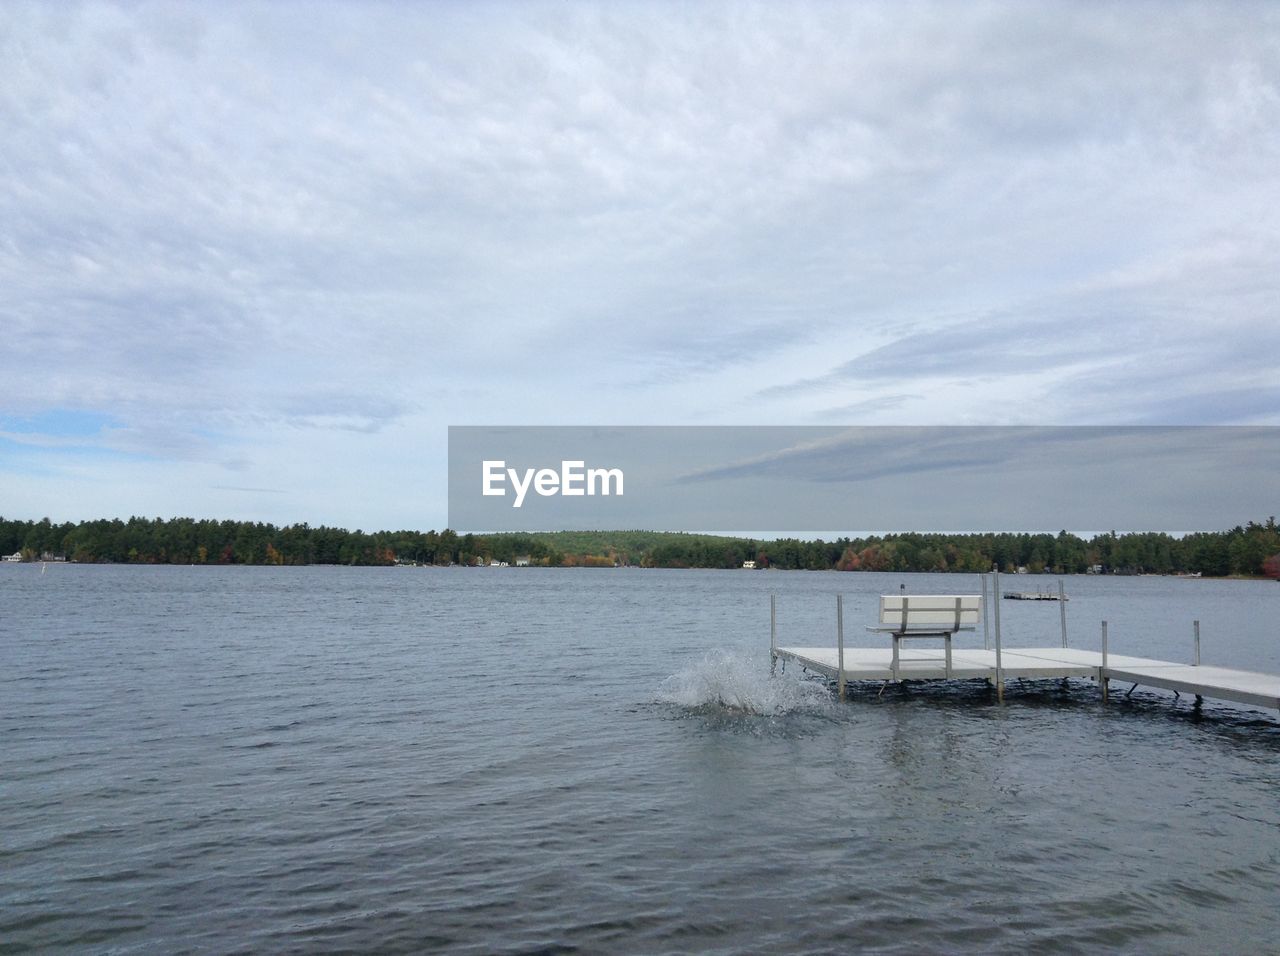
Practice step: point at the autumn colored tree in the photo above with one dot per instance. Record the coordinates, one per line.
(849, 560)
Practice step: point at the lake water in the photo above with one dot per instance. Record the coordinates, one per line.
(530, 760)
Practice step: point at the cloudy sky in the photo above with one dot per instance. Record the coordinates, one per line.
(254, 259)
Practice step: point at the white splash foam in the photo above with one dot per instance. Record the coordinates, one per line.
(741, 683)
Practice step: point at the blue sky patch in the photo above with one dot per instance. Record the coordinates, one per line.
(58, 423)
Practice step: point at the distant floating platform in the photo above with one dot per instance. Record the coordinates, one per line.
(1033, 596)
(875, 664)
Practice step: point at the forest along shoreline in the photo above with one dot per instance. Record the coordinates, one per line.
(1251, 551)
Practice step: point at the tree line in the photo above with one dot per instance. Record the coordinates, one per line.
(1251, 550)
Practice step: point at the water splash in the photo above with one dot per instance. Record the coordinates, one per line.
(738, 683)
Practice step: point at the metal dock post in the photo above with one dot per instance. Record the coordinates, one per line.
(840, 643)
(1102, 673)
(1196, 628)
(1062, 611)
(773, 633)
(995, 591)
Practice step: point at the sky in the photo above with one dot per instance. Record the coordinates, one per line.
(256, 258)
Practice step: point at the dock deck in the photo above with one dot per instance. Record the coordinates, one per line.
(874, 664)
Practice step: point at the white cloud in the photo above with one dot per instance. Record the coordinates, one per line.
(284, 237)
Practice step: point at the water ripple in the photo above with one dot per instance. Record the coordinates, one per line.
(324, 760)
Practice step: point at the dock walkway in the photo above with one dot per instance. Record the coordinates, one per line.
(916, 616)
(875, 664)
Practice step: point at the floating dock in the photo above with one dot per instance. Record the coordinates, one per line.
(997, 665)
(1039, 663)
(1032, 596)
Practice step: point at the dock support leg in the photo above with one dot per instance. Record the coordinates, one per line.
(840, 643)
(773, 632)
(995, 597)
(1062, 610)
(1103, 679)
(773, 637)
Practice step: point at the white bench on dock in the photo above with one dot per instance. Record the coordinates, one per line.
(936, 616)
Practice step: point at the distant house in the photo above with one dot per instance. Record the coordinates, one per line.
(13, 558)
(749, 565)
(522, 561)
